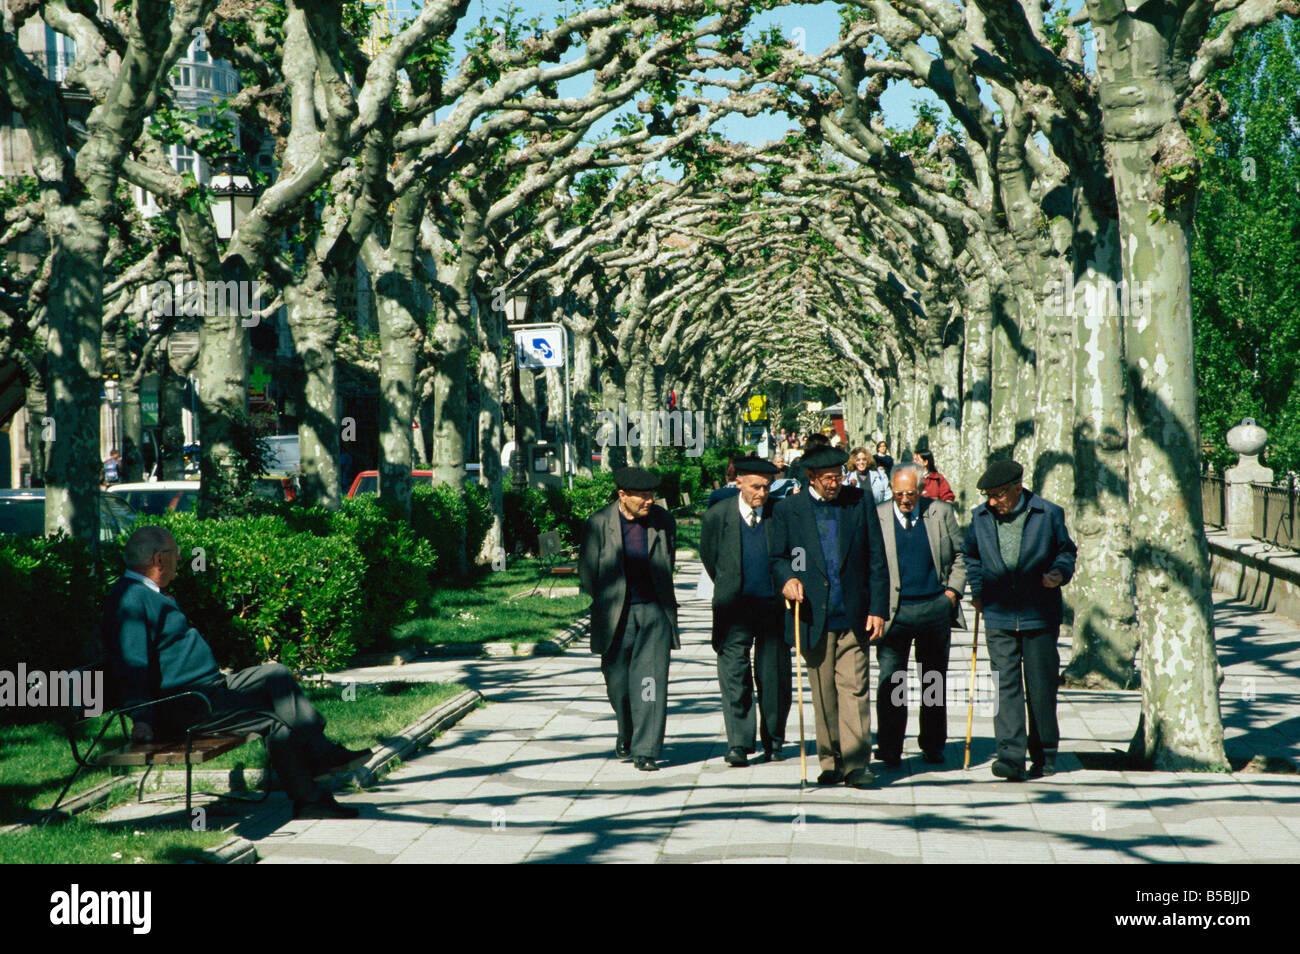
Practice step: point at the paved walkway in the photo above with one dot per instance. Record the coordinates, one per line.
(532, 777)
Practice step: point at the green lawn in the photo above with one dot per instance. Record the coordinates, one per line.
(78, 841)
(35, 761)
(494, 608)
(688, 533)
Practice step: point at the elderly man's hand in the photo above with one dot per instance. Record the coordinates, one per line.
(875, 628)
(1053, 578)
(793, 590)
(141, 732)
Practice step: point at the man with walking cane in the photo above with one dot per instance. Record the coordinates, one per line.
(747, 614)
(827, 555)
(1018, 556)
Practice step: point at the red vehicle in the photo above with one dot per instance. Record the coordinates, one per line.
(367, 482)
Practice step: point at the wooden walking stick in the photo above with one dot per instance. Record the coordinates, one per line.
(970, 709)
(798, 666)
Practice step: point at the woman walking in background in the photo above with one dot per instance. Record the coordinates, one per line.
(935, 484)
(860, 470)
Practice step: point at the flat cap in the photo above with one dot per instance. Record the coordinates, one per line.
(824, 457)
(635, 478)
(756, 465)
(998, 473)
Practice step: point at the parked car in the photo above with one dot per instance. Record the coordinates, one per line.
(162, 496)
(367, 482)
(23, 511)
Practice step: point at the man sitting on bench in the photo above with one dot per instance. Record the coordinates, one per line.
(154, 652)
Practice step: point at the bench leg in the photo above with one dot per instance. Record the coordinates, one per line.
(189, 783)
(62, 795)
(139, 792)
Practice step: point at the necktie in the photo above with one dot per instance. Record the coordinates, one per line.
(753, 519)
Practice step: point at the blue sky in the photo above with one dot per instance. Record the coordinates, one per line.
(819, 23)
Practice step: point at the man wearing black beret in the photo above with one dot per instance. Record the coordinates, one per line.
(626, 565)
(747, 613)
(828, 555)
(1018, 556)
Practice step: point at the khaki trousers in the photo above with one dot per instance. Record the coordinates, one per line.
(839, 676)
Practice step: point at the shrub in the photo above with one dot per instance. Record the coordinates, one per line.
(478, 517)
(398, 566)
(49, 616)
(257, 590)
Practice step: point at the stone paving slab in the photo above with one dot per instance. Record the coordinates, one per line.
(532, 777)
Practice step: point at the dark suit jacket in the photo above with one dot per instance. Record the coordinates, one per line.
(600, 568)
(152, 649)
(1014, 597)
(864, 575)
(721, 556)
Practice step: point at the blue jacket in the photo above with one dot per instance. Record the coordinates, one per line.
(152, 649)
(1014, 597)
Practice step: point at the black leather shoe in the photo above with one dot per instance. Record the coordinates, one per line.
(774, 754)
(735, 757)
(1046, 767)
(622, 749)
(324, 807)
(645, 764)
(341, 759)
(860, 778)
(1009, 770)
(830, 777)
(893, 761)
(934, 758)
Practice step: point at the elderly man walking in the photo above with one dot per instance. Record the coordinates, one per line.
(747, 614)
(827, 555)
(1018, 556)
(927, 575)
(626, 565)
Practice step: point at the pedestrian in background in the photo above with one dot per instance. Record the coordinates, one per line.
(859, 474)
(935, 484)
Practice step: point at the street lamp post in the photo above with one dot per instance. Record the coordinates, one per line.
(516, 309)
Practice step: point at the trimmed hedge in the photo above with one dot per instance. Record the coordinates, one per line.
(258, 590)
(52, 602)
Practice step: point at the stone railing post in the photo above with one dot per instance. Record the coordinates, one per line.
(1248, 440)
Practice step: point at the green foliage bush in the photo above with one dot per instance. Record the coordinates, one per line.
(398, 566)
(52, 601)
(257, 590)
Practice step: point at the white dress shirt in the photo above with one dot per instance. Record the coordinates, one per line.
(132, 575)
(746, 510)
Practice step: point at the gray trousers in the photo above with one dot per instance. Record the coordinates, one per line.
(635, 668)
(1033, 652)
(930, 626)
(760, 626)
(266, 700)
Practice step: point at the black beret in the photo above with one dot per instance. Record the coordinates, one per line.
(756, 465)
(998, 473)
(635, 478)
(824, 457)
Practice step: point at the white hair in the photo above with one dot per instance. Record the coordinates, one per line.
(907, 469)
(144, 543)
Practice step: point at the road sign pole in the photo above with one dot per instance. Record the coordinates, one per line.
(568, 419)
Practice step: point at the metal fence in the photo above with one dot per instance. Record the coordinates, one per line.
(1275, 513)
(1214, 501)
